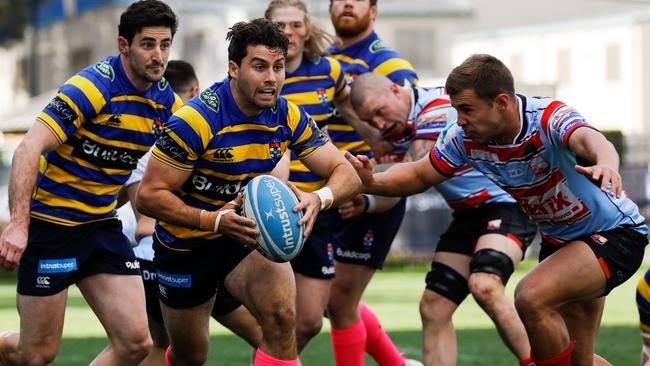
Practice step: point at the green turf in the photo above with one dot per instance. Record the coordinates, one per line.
(394, 296)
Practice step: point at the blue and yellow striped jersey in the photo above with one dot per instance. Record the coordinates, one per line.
(313, 86)
(367, 55)
(224, 149)
(104, 125)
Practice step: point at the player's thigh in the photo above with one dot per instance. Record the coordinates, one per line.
(571, 274)
(350, 282)
(41, 320)
(107, 295)
(501, 244)
(262, 285)
(188, 327)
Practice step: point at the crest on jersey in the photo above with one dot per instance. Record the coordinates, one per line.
(601, 240)
(275, 150)
(378, 45)
(494, 224)
(162, 84)
(210, 99)
(105, 69)
(538, 165)
(157, 127)
(322, 96)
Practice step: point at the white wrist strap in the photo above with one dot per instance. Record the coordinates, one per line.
(326, 197)
(371, 203)
(219, 215)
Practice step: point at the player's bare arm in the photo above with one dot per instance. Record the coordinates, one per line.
(38, 140)
(329, 162)
(401, 180)
(156, 198)
(418, 150)
(592, 146)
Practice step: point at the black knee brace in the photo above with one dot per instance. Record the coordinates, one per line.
(492, 261)
(445, 281)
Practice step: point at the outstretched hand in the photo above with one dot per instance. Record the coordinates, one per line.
(363, 165)
(604, 174)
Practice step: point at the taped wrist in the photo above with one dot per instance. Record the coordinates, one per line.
(326, 197)
(209, 220)
(371, 203)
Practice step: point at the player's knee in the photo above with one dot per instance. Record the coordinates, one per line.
(135, 347)
(280, 316)
(38, 359)
(42, 354)
(494, 262)
(528, 301)
(485, 288)
(309, 328)
(447, 282)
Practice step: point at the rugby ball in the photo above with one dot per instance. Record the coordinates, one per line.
(270, 202)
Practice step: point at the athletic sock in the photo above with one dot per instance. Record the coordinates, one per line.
(378, 343)
(264, 359)
(167, 362)
(562, 359)
(349, 344)
(527, 362)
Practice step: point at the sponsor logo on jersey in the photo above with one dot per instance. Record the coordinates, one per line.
(170, 147)
(175, 280)
(132, 265)
(114, 120)
(557, 206)
(162, 291)
(62, 265)
(223, 154)
(210, 99)
(148, 275)
(162, 84)
(378, 45)
(212, 187)
(106, 156)
(62, 110)
(330, 252)
(275, 151)
(105, 69)
(597, 238)
(43, 282)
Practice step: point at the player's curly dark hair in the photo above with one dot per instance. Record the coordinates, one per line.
(146, 13)
(257, 32)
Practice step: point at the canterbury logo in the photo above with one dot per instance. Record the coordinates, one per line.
(223, 154)
(43, 281)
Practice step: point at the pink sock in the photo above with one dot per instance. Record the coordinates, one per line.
(167, 362)
(264, 359)
(378, 344)
(349, 344)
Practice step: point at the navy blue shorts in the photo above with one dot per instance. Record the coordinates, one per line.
(223, 304)
(316, 259)
(366, 239)
(58, 256)
(187, 278)
(469, 225)
(619, 252)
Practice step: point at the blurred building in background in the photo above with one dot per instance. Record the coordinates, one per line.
(589, 53)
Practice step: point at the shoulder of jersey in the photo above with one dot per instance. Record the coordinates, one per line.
(101, 73)
(208, 99)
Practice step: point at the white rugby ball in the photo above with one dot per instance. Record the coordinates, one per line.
(270, 202)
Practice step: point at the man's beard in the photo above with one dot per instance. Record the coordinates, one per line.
(352, 29)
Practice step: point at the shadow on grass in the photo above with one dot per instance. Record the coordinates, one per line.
(478, 347)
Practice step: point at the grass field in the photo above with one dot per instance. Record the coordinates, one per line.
(394, 296)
